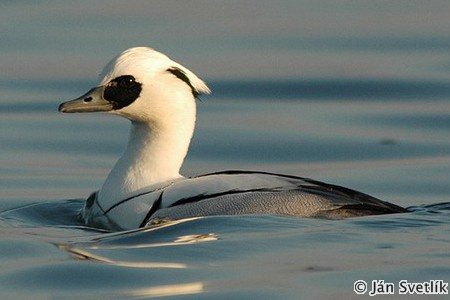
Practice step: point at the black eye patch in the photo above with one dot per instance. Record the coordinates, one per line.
(122, 91)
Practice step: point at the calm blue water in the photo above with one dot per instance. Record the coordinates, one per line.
(356, 93)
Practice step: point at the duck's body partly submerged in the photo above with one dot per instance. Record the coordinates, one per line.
(158, 96)
(235, 193)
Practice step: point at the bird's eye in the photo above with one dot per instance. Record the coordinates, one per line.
(122, 91)
(126, 81)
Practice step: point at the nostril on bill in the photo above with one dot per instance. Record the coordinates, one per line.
(88, 99)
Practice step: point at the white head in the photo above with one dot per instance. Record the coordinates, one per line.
(158, 96)
(137, 85)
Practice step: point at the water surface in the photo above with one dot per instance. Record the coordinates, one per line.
(356, 94)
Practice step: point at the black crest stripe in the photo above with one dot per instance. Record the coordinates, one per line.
(127, 199)
(181, 75)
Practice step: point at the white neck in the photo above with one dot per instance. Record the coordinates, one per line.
(153, 157)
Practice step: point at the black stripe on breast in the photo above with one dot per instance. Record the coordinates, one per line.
(156, 205)
(129, 198)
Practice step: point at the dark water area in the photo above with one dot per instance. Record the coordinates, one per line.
(353, 93)
(333, 90)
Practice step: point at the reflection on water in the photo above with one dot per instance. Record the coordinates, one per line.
(83, 254)
(167, 290)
